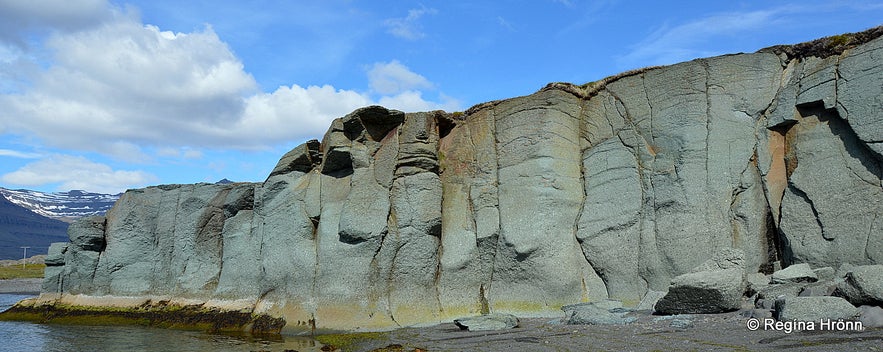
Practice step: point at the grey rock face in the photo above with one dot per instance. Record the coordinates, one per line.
(795, 273)
(302, 158)
(703, 292)
(88, 233)
(487, 322)
(680, 179)
(814, 308)
(863, 285)
(55, 255)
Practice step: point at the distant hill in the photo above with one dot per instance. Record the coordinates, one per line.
(36, 219)
(22, 227)
(64, 206)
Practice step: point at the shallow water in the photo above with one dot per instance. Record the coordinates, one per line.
(24, 336)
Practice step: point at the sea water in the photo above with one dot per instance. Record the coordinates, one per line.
(25, 336)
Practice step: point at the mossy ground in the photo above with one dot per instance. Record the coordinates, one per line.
(156, 314)
(29, 271)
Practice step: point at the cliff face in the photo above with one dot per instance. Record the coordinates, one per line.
(521, 206)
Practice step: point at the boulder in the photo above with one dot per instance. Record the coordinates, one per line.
(494, 321)
(703, 292)
(863, 285)
(766, 297)
(814, 308)
(872, 316)
(794, 273)
(825, 273)
(824, 288)
(755, 282)
(606, 312)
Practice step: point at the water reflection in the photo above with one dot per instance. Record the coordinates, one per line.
(23, 336)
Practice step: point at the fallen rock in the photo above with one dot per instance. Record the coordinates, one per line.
(487, 322)
(814, 308)
(766, 297)
(650, 299)
(872, 316)
(825, 273)
(794, 273)
(703, 292)
(755, 282)
(607, 312)
(863, 285)
(843, 269)
(825, 288)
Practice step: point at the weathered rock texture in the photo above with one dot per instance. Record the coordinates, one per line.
(574, 193)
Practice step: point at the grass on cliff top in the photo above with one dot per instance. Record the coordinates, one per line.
(29, 271)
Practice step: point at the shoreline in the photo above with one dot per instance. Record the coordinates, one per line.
(689, 332)
(29, 286)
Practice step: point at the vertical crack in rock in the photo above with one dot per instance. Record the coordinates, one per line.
(704, 64)
(582, 205)
(496, 173)
(800, 193)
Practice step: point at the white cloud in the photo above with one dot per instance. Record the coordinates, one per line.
(393, 78)
(408, 27)
(179, 153)
(18, 154)
(17, 16)
(412, 100)
(293, 112)
(77, 172)
(669, 45)
(135, 92)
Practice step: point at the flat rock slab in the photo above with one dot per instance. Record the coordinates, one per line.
(814, 308)
(795, 273)
(489, 322)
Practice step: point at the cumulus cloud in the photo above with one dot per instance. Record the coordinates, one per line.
(409, 27)
(135, 92)
(393, 78)
(76, 172)
(17, 16)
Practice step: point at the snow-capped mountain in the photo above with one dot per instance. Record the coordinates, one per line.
(64, 206)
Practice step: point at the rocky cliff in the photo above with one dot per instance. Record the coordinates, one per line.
(574, 193)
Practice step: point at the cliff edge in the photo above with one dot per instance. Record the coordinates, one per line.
(571, 194)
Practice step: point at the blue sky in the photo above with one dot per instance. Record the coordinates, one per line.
(105, 95)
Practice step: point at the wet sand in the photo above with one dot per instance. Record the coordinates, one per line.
(711, 332)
